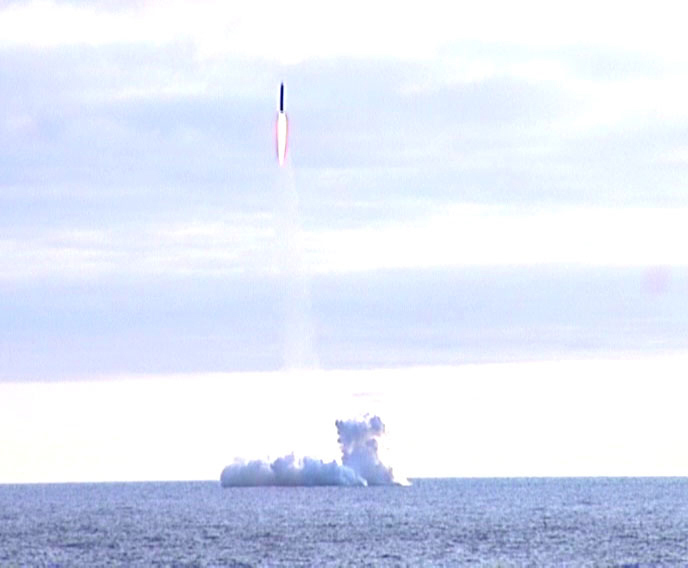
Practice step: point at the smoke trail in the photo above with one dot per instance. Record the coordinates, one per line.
(361, 465)
(299, 350)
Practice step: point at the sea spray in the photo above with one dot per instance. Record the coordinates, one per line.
(360, 465)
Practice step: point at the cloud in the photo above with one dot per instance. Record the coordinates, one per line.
(237, 244)
(137, 149)
(482, 236)
(476, 117)
(451, 236)
(310, 30)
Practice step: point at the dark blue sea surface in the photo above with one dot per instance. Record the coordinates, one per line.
(434, 522)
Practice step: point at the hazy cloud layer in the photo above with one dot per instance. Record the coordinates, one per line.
(141, 207)
(359, 320)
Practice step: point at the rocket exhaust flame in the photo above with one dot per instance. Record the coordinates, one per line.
(282, 129)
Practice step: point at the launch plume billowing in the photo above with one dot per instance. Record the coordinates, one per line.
(358, 441)
(361, 465)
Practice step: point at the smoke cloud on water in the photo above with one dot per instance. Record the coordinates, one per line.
(360, 464)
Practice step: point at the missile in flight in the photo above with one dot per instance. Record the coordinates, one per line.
(281, 129)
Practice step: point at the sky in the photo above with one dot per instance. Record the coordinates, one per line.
(477, 200)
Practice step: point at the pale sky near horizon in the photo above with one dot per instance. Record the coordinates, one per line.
(472, 194)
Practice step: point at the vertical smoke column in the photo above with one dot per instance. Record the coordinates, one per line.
(299, 351)
(358, 440)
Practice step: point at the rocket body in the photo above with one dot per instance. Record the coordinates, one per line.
(282, 129)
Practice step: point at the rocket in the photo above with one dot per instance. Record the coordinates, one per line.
(281, 129)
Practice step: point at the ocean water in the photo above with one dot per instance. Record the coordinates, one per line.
(434, 522)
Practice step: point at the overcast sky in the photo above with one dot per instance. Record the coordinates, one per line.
(497, 183)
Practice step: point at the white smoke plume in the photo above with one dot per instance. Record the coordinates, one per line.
(299, 334)
(361, 465)
(358, 441)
